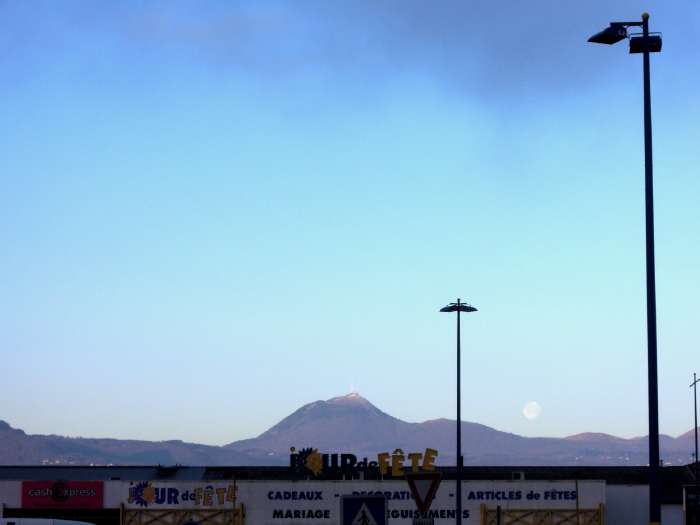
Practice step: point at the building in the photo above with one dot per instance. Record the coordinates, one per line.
(178, 495)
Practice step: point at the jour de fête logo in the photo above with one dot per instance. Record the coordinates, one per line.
(309, 461)
(147, 494)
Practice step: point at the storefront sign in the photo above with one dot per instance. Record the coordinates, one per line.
(62, 494)
(318, 502)
(310, 461)
(154, 494)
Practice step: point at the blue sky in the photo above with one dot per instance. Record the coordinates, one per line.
(215, 212)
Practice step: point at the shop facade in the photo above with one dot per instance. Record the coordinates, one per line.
(272, 496)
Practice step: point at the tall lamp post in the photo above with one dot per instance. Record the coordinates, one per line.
(646, 43)
(694, 386)
(459, 307)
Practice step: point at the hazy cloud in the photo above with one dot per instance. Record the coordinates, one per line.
(481, 46)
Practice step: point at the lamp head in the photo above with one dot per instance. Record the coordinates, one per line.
(610, 35)
(639, 44)
(461, 307)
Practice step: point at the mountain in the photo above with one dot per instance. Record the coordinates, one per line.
(348, 424)
(687, 440)
(345, 424)
(18, 448)
(352, 424)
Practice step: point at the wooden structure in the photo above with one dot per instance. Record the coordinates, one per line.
(234, 516)
(489, 516)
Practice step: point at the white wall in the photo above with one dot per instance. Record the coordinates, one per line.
(672, 515)
(10, 493)
(627, 505)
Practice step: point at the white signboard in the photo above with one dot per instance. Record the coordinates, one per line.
(317, 503)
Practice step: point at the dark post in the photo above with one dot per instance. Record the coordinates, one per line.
(459, 418)
(654, 502)
(697, 460)
(616, 32)
(459, 307)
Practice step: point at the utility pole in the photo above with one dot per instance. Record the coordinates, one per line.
(694, 386)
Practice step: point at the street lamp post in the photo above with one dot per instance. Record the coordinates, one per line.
(646, 43)
(694, 386)
(459, 307)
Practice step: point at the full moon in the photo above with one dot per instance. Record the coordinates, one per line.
(532, 410)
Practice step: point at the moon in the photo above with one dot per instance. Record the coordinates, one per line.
(532, 410)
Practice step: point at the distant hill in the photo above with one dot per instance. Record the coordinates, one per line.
(345, 424)
(18, 448)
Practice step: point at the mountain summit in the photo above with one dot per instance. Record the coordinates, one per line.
(351, 398)
(340, 424)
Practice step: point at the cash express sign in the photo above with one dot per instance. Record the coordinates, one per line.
(310, 461)
(62, 494)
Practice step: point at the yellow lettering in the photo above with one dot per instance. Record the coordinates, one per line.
(208, 501)
(383, 460)
(397, 459)
(198, 496)
(415, 460)
(220, 495)
(231, 493)
(429, 459)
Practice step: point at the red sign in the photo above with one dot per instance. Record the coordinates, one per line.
(62, 494)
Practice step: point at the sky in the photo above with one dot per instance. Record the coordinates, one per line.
(213, 213)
